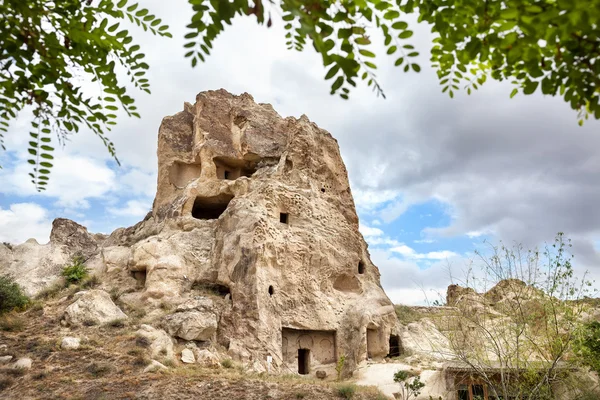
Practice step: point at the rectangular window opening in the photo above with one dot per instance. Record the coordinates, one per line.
(283, 218)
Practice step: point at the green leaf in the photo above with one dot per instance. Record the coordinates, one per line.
(392, 50)
(366, 53)
(530, 87)
(391, 15)
(399, 61)
(332, 72)
(405, 34)
(337, 84)
(514, 92)
(400, 25)
(509, 13)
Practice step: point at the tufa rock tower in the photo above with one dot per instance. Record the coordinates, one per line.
(253, 239)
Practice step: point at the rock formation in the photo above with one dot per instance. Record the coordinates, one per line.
(253, 240)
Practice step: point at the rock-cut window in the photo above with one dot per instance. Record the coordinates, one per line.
(283, 218)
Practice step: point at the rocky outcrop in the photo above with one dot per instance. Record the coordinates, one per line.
(74, 236)
(36, 266)
(191, 325)
(92, 307)
(159, 342)
(255, 212)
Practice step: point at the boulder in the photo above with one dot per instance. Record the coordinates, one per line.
(22, 363)
(187, 356)
(161, 344)
(92, 307)
(155, 366)
(321, 374)
(191, 325)
(70, 343)
(5, 359)
(207, 359)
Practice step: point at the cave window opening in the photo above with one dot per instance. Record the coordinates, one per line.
(361, 267)
(210, 207)
(394, 346)
(226, 174)
(271, 290)
(283, 218)
(210, 288)
(322, 190)
(140, 277)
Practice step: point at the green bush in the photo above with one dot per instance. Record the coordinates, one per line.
(346, 391)
(75, 272)
(11, 295)
(227, 363)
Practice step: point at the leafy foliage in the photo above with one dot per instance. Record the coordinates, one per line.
(49, 50)
(11, 295)
(75, 272)
(550, 45)
(587, 345)
(408, 388)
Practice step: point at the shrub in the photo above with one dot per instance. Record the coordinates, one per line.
(339, 367)
(227, 363)
(90, 282)
(99, 368)
(141, 361)
(5, 383)
(142, 341)
(75, 272)
(11, 323)
(11, 295)
(346, 391)
(51, 291)
(116, 323)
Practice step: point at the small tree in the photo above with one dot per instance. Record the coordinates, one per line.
(408, 387)
(518, 335)
(339, 367)
(11, 295)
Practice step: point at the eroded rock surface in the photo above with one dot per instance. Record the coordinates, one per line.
(254, 211)
(92, 307)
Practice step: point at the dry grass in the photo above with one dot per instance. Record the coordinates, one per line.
(12, 322)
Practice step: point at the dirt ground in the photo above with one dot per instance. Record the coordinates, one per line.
(109, 365)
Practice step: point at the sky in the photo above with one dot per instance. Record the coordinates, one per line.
(434, 179)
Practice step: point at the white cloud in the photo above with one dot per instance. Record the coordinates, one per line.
(73, 180)
(367, 201)
(133, 208)
(137, 182)
(426, 241)
(409, 252)
(22, 221)
(481, 232)
(368, 231)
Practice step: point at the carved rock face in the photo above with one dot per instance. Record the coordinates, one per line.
(256, 212)
(270, 218)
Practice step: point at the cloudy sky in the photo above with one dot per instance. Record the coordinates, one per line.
(433, 177)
